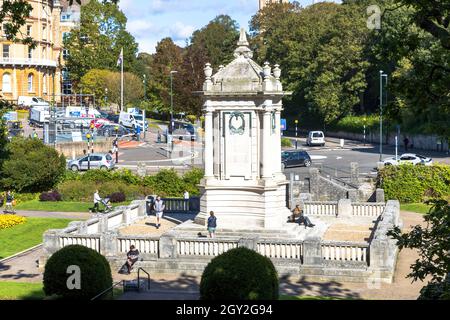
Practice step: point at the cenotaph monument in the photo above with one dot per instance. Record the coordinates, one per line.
(243, 183)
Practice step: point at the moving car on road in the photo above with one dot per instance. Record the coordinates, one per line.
(408, 158)
(97, 161)
(295, 158)
(315, 138)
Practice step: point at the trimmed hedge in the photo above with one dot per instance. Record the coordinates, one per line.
(239, 274)
(408, 183)
(167, 183)
(95, 273)
(285, 142)
(50, 196)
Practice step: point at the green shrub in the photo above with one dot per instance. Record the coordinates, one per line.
(166, 183)
(126, 176)
(31, 166)
(436, 291)
(94, 270)
(239, 274)
(130, 191)
(191, 118)
(285, 142)
(77, 190)
(191, 180)
(408, 183)
(355, 124)
(22, 197)
(96, 176)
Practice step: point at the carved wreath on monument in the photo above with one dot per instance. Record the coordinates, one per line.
(236, 124)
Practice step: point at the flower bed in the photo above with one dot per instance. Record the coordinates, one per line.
(9, 220)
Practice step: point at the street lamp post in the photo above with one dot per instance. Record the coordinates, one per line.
(382, 75)
(145, 99)
(106, 97)
(171, 100)
(296, 135)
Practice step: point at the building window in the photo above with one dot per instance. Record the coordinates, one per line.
(44, 85)
(30, 82)
(65, 54)
(29, 31)
(44, 32)
(30, 53)
(65, 35)
(6, 51)
(65, 74)
(44, 53)
(6, 83)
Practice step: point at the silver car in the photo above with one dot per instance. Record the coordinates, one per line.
(97, 161)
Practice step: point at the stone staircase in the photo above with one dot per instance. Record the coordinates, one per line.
(289, 231)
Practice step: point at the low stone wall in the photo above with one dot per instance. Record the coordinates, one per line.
(176, 253)
(74, 149)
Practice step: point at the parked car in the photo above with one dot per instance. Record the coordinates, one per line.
(110, 130)
(315, 138)
(295, 158)
(97, 161)
(30, 102)
(113, 117)
(408, 158)
(99, 122)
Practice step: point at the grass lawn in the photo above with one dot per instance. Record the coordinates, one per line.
(21, 291)
(59, 206)
(31, 291)
(415, 207)
(27, 235)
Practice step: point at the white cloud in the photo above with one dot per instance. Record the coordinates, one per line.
(181, 31)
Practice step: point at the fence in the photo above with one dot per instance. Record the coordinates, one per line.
(280, 249)
(345, 251)
(92, 242)
(320, 208)
(143, 244)
(367, 209)
(204, 247)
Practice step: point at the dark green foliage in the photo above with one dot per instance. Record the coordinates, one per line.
(191, 181)
(31, 166)
(408, 183)
(94, 268)
(239, 274)
(433, 245)
(165, 183)
(50, 196)
(117, 197)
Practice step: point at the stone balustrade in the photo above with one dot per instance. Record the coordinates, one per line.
(145, 245)
(320, 208)
(368, 209)
(204, 247)
(280, 249)
(345, 251)
(92, 242)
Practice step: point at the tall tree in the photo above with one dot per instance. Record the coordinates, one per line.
(97, 42)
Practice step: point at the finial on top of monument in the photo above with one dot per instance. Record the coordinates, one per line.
(243, 49)
(208, 71)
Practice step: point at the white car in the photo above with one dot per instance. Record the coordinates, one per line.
(408, 158)
(315, 138)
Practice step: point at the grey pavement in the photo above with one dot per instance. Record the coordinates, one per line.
(50, 214)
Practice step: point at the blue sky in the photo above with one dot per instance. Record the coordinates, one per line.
(149, 21)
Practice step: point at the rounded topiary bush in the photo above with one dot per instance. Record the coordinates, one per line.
(239, 274)
(94, 270)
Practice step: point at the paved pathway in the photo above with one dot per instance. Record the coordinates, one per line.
(48, 214)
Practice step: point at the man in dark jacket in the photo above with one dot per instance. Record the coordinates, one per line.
(132, 257)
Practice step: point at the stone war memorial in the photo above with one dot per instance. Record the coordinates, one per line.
(245, 187)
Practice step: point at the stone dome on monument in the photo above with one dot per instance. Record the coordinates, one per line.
(242, 75)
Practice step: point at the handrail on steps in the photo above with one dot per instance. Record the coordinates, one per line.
(109, 289)
(139, 278)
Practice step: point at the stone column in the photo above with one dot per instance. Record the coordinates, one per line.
(379, 195)
(344, 208)
(312, 252)
(108, 243)
(249, 242)
(167, 246)
(277, 147)
(354, 172)
(209, 160)
(266, 146)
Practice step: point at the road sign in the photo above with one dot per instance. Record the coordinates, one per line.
(283, 124)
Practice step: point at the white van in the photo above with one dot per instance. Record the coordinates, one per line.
(131, 120)
(315, 138)
(25, 101)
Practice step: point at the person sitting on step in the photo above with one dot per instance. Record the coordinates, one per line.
(132, 257)
(305, 220)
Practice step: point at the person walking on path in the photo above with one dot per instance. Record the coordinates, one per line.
(406, 143)
(97, 200)
(159, 208)
(138, 133)
(9, 203)
(212, 224)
